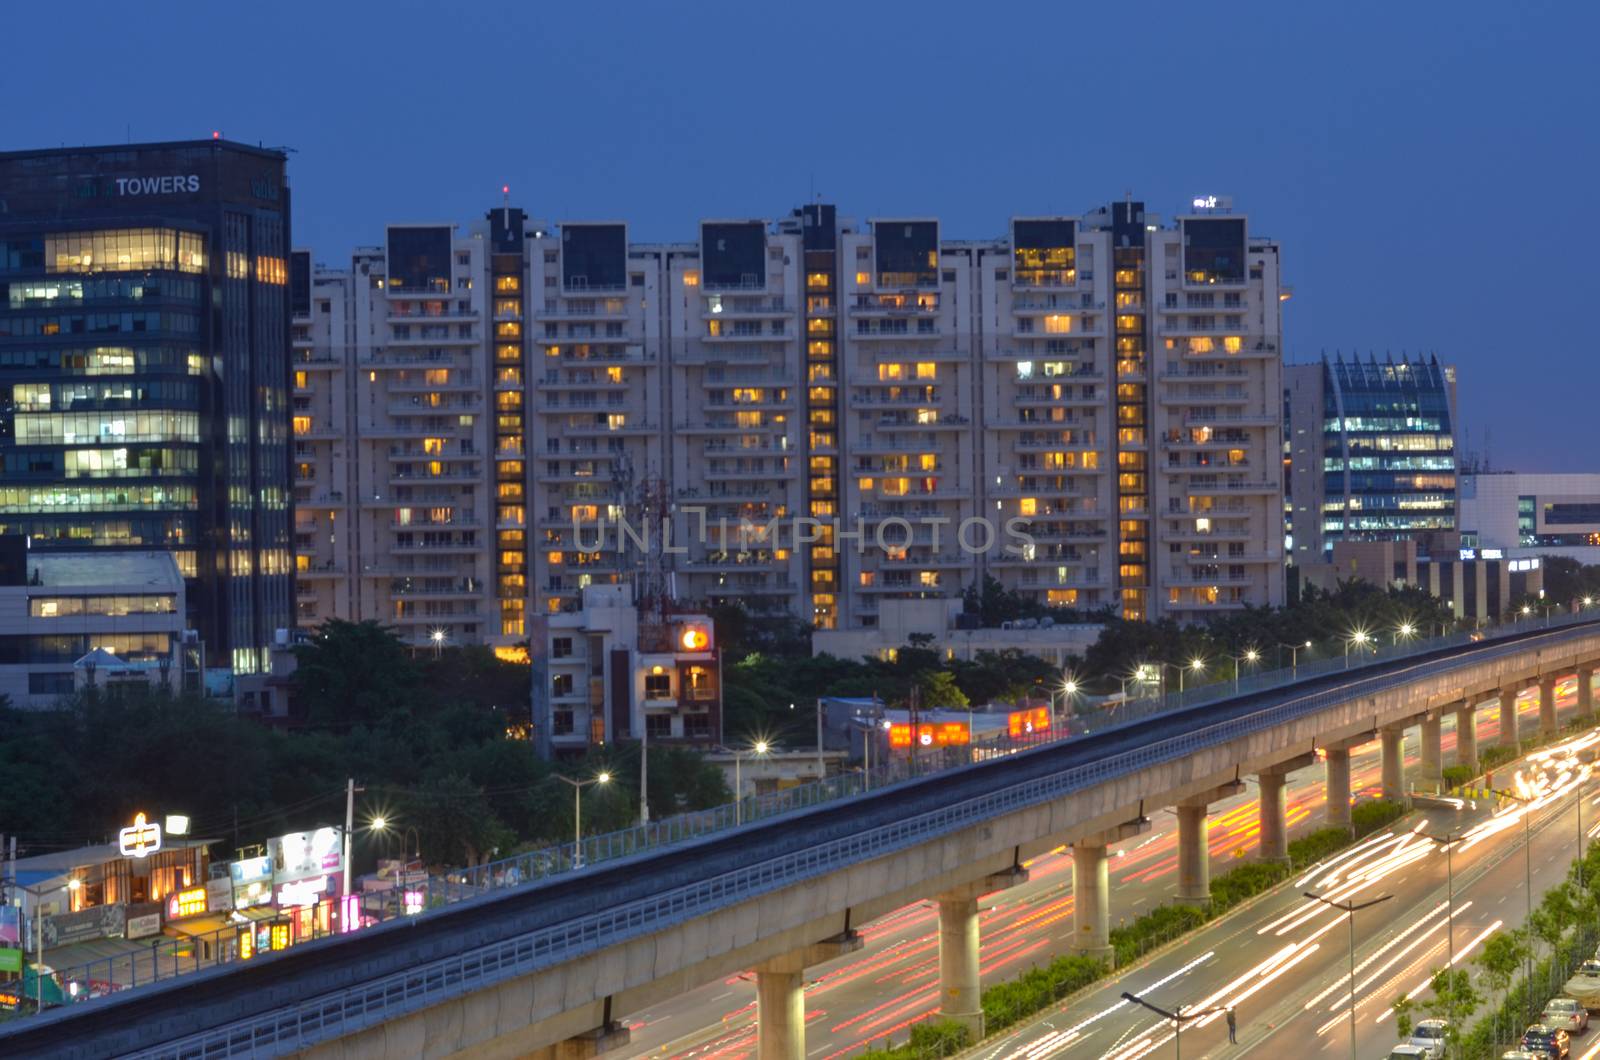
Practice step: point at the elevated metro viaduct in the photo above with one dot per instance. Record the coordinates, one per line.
(545, 969)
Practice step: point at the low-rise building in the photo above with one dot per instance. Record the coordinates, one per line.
(941, 625)
(613, 670)
(1532, 514)
(1480, 584)
(73, 619)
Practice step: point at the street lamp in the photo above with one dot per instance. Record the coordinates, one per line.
(437, 636)
(1250, 656)
(602, 777)
(1067, 689)
(1448, 842)
(1294, 656)
(1350, 909)
(1404, 630)
(758, 749)
(1359, 638)
(1527, 862)
(1177, 1017)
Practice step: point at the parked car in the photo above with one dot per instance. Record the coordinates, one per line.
(1552, 1041)
(1566, 1013)
(1409, 1052)
(1521, 1054)
(1428, 1035)
(1585, 985)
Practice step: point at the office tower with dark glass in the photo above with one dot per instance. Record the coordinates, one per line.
(144, 376)
(1370, 450)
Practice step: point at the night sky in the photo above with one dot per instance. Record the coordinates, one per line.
(1429, 168)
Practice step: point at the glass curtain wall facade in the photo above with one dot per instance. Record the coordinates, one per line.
(144, 370)
(1388, 450)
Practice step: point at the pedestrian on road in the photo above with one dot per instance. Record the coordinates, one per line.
(1233, 1028)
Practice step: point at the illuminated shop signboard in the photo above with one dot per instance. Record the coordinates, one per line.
(140, 839)
(934, 734)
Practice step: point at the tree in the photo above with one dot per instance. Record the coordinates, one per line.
(937, 688)
(1453, 999)
(1402, 1007)
(454, 821)
(1501, 958)
(353, 673)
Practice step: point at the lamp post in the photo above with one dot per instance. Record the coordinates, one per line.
(1527, 863)
(1448, 841)
(1359, 638)
(577, 811)
(758, 749)
(1294, 656)
(1350, 909)
(1404, 630)
(1250, 656)
(1177, 1016)
(437, 636)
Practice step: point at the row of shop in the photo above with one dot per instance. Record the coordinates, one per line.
(154, 904)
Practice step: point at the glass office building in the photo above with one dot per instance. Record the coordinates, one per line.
(1371, 448)
(144, 370)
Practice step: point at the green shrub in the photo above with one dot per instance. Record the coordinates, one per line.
(1494, 757)
(1324, 842)
(1037, 988)
(1369, 817)
(929, 1039)
(1153, 928)
(1455, 776)
(1246, 881)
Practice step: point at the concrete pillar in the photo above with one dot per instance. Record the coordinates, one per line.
(1509, 736)
(1274, 823)
(958, 964)
(781, 997)
(1547, 707)
(780, 1015)
(1431, 773)
(1338, 787)
(1194, 853)
(1586, 692)
(1091, 901)
(1394, 763)
(597, 1042)
(1467, 736)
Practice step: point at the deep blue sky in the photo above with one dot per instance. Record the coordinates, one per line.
(1430, 168)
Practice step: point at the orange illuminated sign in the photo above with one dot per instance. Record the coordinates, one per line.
(695, 639)
(931, 734)
(1027, 722)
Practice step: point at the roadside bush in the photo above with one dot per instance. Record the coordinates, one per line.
(935, 1038)
(1246, 881)
(1316, 846)
(1455, 776)
(1005, 1003)
(1153, 928)
(1369, 817)
(1494, 757)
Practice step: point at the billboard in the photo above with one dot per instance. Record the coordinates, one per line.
(1027, 722)
(306, 855)
(930, 734)
(252, 881)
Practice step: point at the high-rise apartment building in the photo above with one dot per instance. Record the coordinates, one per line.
(144, 371)
(1370, 451)
(811, 416)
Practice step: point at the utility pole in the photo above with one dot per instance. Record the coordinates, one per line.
(350, 790)
(644, 768)
(822, 761)
(916, 730)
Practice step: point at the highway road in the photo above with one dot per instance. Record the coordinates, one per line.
(1283, 962)
(892, 982)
